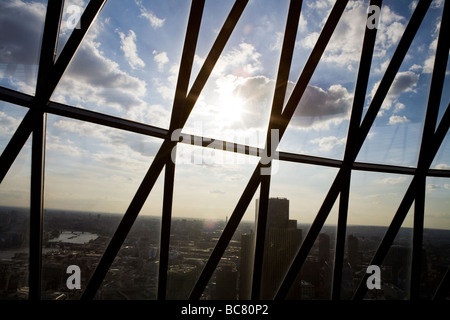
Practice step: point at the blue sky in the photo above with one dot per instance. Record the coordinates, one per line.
(127, 66)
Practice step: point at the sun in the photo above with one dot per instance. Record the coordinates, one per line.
(230, 106)
(230, 110)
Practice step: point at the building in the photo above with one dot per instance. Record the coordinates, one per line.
(282, 242)
(181, 279)
(226, 282)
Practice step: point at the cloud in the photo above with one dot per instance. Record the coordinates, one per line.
(328, 143)
(390, 30)
(344, 48)
(155, 22)
(111, 139)
(397, 119)
(242, 60)
(21, 24)
(442, 166)
(24, 21)
(7, 123)
(345, 45)
(92, 78)
(433, 187)
(128, 46)
(318, 107)
(405, 81)
(393, 181)
(160, 58)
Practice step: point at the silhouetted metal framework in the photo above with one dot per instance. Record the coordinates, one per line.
(51, 70)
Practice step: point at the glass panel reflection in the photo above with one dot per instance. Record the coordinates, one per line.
(14, 228)
(20, 49)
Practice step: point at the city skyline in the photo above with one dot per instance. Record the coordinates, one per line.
(134, 272)
(127, 67)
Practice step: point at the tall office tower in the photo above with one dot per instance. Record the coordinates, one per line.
(226, 280)
(282, 241)
(181, 279)
(353, 251)
(246, 265)
(324, 247)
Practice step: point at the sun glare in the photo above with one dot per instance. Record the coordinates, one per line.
(230, 110)
(230, 106)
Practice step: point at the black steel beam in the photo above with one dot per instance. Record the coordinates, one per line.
(16, 144)
(434, 100)
(443, 288)
(213, 56)
(392, 69)
(46, 62)
(36, 205)
(369, 118)
(355, 120)
(287, 114)
(227, 233)
(68, 52)
(284, 67)
(341, 232)
(187, 59)
(311, 64)
(160, 159)
(152, 131)
(15, 97)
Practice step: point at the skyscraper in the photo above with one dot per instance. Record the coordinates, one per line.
(282, 241)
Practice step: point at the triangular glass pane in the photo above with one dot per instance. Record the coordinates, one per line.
(19, 55)
(10, 119)
(316, 276)
(70, 20)
(199, 214)
(92, 172)
(320, 123)
(232, 278)
(127, 64)
(236, 101)
(303, 188)
(395, 136)
(14, 227)
(134, 272)
(396, 267)
(374, 200)
(442, 159)
(436, 236)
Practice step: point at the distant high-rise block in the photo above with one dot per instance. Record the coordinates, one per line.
(282, 241)
(180, 281)
(226, 280)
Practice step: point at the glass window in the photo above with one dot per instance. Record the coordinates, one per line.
(21, 45)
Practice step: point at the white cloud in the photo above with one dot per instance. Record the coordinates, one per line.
(160, 58)
(128, 46)
(405, 81)
(398, 107)
(319, 108)
(155, 22)
(328, 143)
(433, 187)
(320, 4)
(344, 48)
(7, 123)
(20, 44)
(442, 166)
(393, 181)
(92, 78)
(397, 119)
(65, 146)
(242, 60)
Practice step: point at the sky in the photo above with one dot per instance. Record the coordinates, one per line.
(128, 64)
